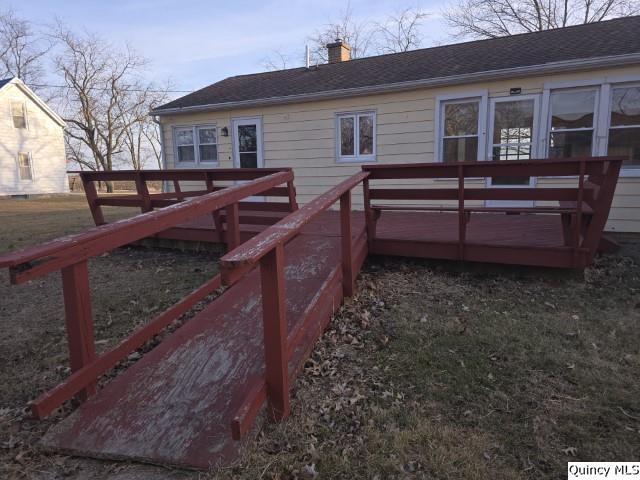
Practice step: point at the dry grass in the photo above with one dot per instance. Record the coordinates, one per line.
(432, 371)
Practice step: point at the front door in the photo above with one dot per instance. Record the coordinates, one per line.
(247, 145)
(247, 142)
(512, 136)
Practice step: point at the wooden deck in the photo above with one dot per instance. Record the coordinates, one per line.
(190, 400)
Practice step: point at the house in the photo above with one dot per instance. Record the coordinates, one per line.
(32, 153)
(572, 91)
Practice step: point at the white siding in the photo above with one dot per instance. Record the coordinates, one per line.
(42, 139)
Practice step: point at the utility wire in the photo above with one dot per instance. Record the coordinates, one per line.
(107, 89)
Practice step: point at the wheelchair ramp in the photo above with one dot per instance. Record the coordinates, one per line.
(175, 405)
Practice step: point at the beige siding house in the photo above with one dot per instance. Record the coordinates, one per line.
(559, 93)
(32, 154)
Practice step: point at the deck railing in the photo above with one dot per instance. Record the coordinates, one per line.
(213, 180)
(267, 250)
(584, 208)
(70, 255)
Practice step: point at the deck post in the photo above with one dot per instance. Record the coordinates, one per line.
(346, 244)
(291, 190)
(462, 222)
(177, 189)
(368, 213)
(92, 199)
(77, 306)
(275, 332)
(217, 221)
(143, 191)
(233, 226)
(577, 232)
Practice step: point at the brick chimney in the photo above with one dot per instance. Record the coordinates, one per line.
(339, 51)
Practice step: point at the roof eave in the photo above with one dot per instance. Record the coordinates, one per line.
(563, 66)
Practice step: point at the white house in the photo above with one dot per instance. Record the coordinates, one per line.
(32, 154)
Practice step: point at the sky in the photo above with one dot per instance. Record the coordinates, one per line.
(195, 43)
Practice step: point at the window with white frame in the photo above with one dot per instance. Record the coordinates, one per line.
(572, 122)
(624, 124)
(18, 114)
(196, 144)
(459, 130)
(356, 137)
(25, 172)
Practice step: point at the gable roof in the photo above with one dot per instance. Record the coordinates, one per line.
(35, 98)
(612, 42)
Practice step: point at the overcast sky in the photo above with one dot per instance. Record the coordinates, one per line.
(198, 42)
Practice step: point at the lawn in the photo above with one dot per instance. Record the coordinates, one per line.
(434, 370)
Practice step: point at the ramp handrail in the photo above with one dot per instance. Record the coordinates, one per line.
(267, 250)
(70, 255)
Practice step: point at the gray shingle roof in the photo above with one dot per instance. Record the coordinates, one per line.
(604, 39)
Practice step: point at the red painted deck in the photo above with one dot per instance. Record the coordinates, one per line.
(287, 270)
(175, 405)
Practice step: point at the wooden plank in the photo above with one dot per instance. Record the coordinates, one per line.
(184, 174)
(534, 167)
(233, 226)
(275, 333)
(92, 199)
(78, 320)
(348, 279)
(541, 194)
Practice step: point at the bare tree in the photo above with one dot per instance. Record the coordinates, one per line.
(276, 61)
(401, 31)
(21, 49)
(358, 35)
(152, 133)
(496, 18)
(106, 99)
(141, 142)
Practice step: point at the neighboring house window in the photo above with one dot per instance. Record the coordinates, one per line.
(624, 125)
(19, 115)
(460, 127)
(196, 144)
(572, 123)
(357, 137)
(24, 166)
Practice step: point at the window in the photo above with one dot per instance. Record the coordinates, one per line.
(196, 144)
(356, 133)
(513, 130)
(572, 123)
(24, 166)
(19, 115)
(512, 135)
(624, 125)
(459, 130)
(207, 144)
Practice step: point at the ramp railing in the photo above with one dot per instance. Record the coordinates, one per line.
(266, 250)
(70, 255)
